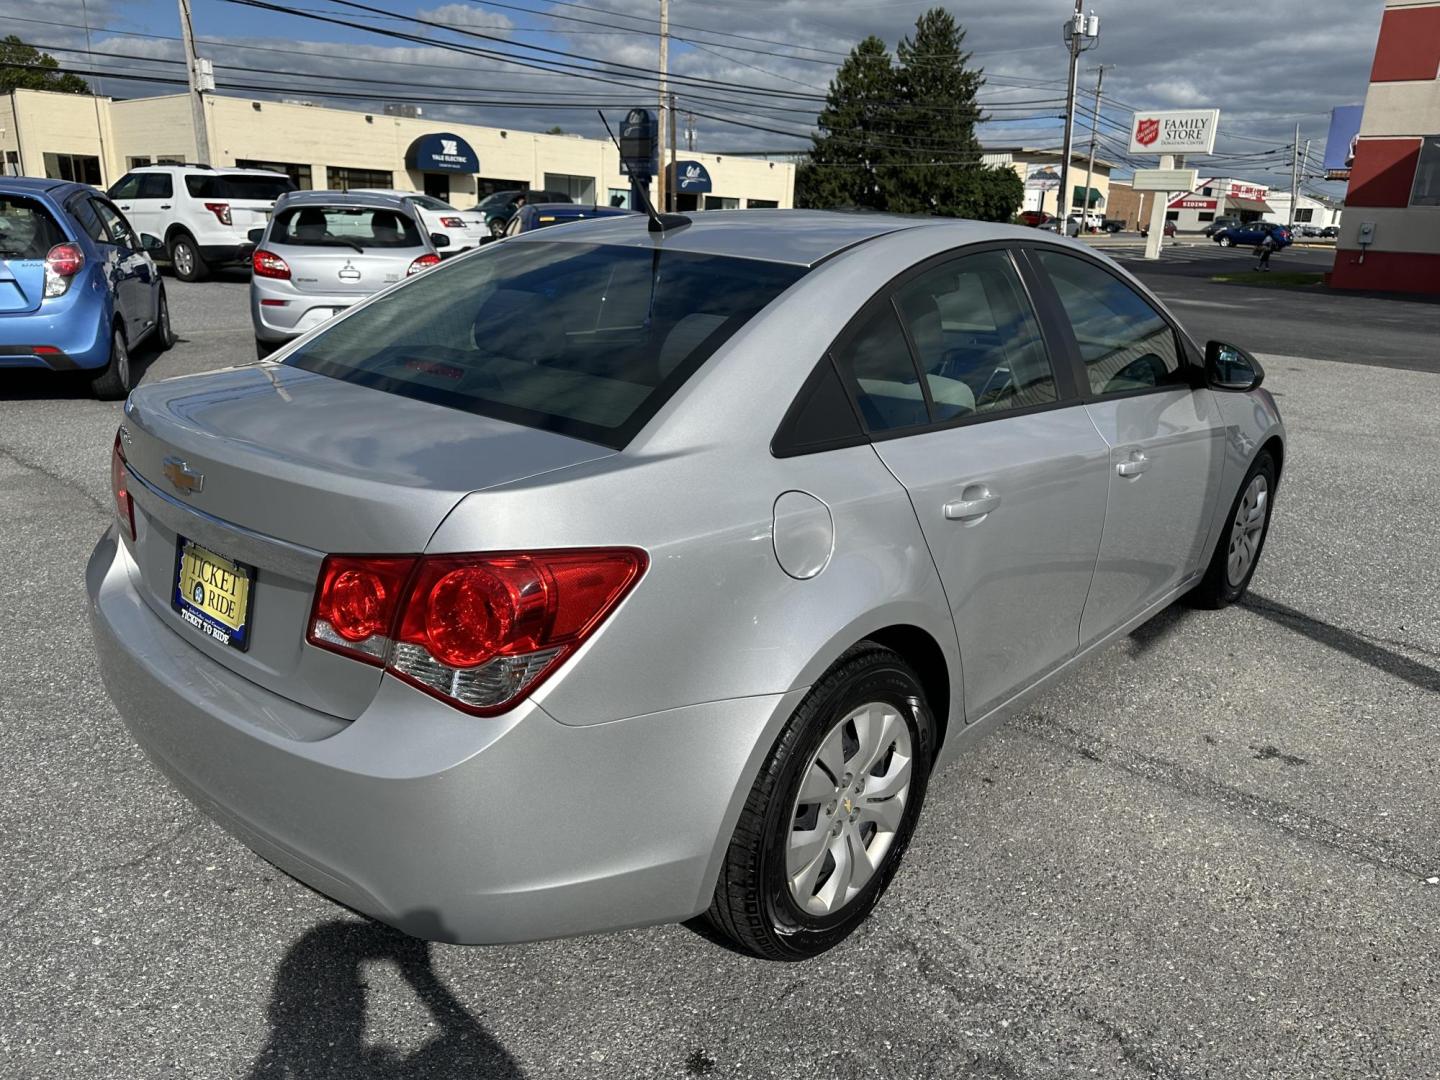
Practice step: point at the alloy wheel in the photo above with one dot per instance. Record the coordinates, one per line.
(849, 808)
(183, 258)
(1248, 530)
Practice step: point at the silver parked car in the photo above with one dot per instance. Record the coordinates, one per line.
(324, 251)
(608, 577)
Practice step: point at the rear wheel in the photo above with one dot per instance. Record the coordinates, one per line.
(1237, 552)
(830, 815)
(163, 336)
(186, 260)
(113, 381)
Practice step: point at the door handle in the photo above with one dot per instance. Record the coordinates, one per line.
(124, 206)
(165, 206)
(1137, 464)
(974, 503)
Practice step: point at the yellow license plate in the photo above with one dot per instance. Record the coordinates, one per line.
(212, 594)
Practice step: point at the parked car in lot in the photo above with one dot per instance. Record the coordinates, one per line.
(1072, 226)
(1110, 225)
(1219, 224)
(534, 216)
(1170, 231)
(498, 208)
(608, 577)
(1330, 232)
(78, 292)
(465, 230)
(202, 215)
(326, 250)
(1034, 218)
(1254, 233)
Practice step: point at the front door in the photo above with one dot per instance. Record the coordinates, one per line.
(437, 186)
(1005, 470)
(1166, 440)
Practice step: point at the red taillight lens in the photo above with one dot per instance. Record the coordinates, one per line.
(268, 264)
(62, 262)
(452, 222)
(421, 263)
(221, 210)
(477, 631)
(120, 485)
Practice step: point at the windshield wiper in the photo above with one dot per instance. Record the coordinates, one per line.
(348, 243)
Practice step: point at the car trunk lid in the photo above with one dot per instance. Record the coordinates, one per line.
(337, 268)
(22, 285)
(271, 468)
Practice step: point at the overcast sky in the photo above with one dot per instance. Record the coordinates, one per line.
(1265, 65)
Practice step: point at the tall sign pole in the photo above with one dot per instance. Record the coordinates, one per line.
(1081, 33)
(662, 184)
(1295, 180)
(1094, 135)
(197, 85)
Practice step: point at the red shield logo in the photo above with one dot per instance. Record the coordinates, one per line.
(1147, 131)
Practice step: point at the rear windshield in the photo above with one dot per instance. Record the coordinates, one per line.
(344, 226)
(27, 231)
(586, 340)
(241, 186)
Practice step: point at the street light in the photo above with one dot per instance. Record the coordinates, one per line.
(1081, 33)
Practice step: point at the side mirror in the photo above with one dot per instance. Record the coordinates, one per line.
(151, 243)
(256, 235)
(1231, 368)
(439, 239)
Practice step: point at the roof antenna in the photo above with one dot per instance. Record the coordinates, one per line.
(658, 222)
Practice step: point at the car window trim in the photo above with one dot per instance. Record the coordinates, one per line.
(1185, 352)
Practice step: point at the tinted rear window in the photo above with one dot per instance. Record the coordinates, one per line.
(27, 229)
(345, 226)
(586, 340)
(225, 186)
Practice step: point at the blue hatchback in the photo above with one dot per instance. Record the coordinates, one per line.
(78, 292)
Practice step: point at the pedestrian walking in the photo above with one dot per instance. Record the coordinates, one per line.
(1264, 251)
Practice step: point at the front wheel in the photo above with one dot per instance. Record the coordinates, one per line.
(1226, 241)
(831, 813)
(1237, 552)
(113, 381)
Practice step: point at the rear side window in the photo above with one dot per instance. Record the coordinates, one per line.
(977, 338)
(1125, 344)
(83, 210)
(27, 228)
(878, 364)
(156, 186)
(345, 226)
(238, 186)
(582, 339)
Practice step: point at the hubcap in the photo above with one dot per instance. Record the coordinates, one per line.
(184, 261)
(1249, 527)
(849, 808)
(121, 359)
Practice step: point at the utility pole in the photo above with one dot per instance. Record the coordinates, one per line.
(1094, 134)
(690, 132)
(1295, 177)
(198, 80)
(1081, 34)
(662, 181)
(670, 192)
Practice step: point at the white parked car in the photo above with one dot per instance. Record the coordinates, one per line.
(202, 215)
(465, 228)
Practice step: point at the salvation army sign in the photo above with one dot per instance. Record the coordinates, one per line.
(1190, 131)
(442, 152)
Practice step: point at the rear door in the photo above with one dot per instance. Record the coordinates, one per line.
(1165, 435)
(955, 382)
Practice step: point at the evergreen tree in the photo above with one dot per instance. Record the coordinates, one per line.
(13, 51)
(856, 130)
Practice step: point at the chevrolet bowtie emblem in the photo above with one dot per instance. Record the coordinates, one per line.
(186, 480)
(849, 806)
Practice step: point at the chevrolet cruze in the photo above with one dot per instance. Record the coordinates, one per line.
(618, 574)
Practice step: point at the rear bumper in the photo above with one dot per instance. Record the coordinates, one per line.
(300, 313)
(223, 254)
(77, 324)
(448, 827)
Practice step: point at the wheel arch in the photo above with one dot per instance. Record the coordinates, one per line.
(919, 649)
(176, 229)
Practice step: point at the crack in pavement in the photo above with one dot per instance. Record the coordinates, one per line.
(1296, 823)
(73, 485)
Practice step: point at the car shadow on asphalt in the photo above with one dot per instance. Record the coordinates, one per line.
(318, 1014)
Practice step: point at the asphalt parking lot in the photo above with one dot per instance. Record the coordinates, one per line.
(1211, 855)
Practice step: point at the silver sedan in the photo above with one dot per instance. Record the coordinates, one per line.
(611, 576)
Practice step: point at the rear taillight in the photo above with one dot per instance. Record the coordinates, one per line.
(421, 263)
(452, 222)
(221, 210)
(62, 263)
(268, 264)
(479, 632)
(120, 485)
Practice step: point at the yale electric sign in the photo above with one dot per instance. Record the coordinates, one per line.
(1189, 131)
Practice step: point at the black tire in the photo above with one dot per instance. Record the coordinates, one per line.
(1216, 589)
(163, 336)
(114, 380)
(264, 348)
(186, 262)
(497, 227)
(753, 908)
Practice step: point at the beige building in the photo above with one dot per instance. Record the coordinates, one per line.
(97, 139)
(1039, 170)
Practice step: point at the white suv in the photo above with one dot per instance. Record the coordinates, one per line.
(463, 229)
(202, 215)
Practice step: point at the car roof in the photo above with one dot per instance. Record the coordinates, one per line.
(576, 208)
(38, 185)
(373, 199)
(797, 237)
(207, 169)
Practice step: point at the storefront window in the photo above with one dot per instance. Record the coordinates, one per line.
(343, 179)
(762, 204)
(488, 185)
(80, 168)
(721, 202)
(581, 189)
(619, 197)
(1205, 215)
(1306, 215)
(299, 174)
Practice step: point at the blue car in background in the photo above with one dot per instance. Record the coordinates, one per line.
(78, 292)
(1253, 235)
(543, 215)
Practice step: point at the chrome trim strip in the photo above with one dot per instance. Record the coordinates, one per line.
(225, 537)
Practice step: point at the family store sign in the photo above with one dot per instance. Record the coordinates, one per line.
(1191, 131)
